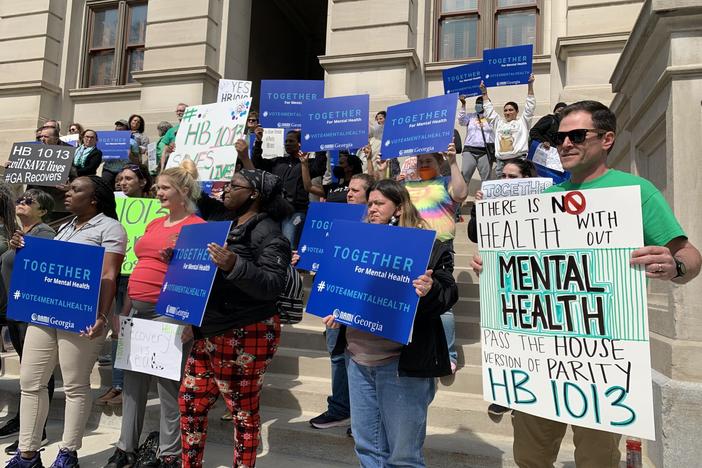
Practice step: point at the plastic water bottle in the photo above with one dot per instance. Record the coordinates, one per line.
(633, 453)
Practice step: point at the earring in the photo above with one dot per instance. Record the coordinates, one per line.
(393, 220)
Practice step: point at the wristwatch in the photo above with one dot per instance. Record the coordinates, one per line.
(680, 268)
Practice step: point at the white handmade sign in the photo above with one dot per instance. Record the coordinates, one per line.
(514, 187)
(150, 347)
(151, 157)
(207, 135)
(232, 90)
(273, 143)
(563, 314)
(548, 158)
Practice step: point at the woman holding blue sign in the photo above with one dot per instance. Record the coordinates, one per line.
(240, 331)
(92, 202)
(391, 385)
(178, 192)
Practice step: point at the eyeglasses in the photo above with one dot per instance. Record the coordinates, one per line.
(576, 136)
(231, 186)
(24, 201)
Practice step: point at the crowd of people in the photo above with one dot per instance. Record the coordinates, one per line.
(381, 388)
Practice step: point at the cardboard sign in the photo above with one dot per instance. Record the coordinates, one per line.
(188, 281)
(281, 101)
(135, 214)
(114, 144)
(464, 79)
(418, 127)
(233, 90)
(56, 284)
(318, 224)
(273, 143)
(563, 314)
(150, 347)
(207, 135)
(151, 157)
(46, 165)
(514, 187)
(335, 123)
(368, 284)
(507, 65)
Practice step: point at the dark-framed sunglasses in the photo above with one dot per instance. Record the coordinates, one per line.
(577, 136)
(252, 120)
(24, 201)
(135, 169)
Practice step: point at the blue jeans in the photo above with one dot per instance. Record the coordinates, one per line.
(388, 415)
(449, 323)
(292, 227)
(338, 403)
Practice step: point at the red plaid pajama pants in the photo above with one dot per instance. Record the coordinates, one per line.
(232, 365)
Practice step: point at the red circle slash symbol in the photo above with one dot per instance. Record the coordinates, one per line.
(574, 202)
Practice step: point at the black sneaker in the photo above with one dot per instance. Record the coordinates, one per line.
(121, 459)
(349, 433)
(10, 429)
(325, 421)
(170, 461)
(18, 462)
(66, 459)
(12, 448)
(495, 412)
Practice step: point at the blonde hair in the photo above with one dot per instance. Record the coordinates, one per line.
(189, 165)
(185, 184)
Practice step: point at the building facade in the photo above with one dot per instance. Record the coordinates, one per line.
(96, 61)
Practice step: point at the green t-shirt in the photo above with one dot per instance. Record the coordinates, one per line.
(659, 223)
(170, 135)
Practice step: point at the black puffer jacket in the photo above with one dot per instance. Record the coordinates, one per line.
(427, 354)
(248, 293)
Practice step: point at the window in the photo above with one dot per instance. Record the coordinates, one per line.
(458, 29)
(515, 22)
(462, 31)
(115, 42)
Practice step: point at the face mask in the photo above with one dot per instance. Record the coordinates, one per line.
(427, 173)
(479, 108)
(338, 172)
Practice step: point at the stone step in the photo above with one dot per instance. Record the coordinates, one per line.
(287, 432)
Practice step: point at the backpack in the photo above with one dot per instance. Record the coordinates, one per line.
(290, 301)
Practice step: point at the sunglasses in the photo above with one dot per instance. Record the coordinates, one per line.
(24, 201)
(135, 169)
(252, 120)
(576, 136)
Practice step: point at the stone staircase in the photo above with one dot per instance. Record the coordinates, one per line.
(298, 383)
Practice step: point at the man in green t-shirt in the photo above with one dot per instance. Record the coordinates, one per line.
(166, 144)
(586, 136)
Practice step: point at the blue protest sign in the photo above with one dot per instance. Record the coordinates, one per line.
(56, 284)
(365, 281)
(335, 123)
(281, 101)
(318, 224)
(186, 287)
(507, 65)
(114, 144)
(464, 80)
(418, 127)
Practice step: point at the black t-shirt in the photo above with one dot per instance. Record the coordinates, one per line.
(336, 193)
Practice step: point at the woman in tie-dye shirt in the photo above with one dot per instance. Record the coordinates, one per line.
(437, 198)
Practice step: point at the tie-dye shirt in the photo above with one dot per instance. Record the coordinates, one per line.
(434, 202)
